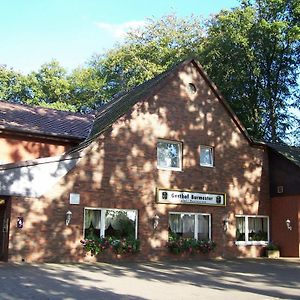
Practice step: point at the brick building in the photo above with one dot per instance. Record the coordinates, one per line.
(168, 157)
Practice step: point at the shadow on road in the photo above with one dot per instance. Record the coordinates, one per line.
(268, 278)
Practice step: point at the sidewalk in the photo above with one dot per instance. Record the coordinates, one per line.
(213, 279)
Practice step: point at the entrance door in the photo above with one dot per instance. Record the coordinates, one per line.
(4, 226)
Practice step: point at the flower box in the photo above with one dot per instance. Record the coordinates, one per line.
(273, 253)
(272, 250)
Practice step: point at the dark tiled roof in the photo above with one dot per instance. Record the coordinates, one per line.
(44, 121)
(290, 152)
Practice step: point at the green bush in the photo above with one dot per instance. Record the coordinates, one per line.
(272, 246)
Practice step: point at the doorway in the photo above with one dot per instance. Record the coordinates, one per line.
(4, 227)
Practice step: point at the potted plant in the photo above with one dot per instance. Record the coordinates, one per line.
(272, 250)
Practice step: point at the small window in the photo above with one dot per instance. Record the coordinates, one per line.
(190, 225)
(117, 223)
(192, 88)
(206, 156)
(169, 155)
(252, 229)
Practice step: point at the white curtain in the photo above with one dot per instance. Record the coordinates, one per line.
(175, 222)
(188, 223)
(93, 217)
(182, 223)
(240, 224)
(203, 227)
(257, 224)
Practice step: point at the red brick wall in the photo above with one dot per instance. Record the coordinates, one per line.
(284, 208)
(14, 149)
(119, 171)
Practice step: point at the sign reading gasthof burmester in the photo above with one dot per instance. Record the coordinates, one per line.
(187, 197)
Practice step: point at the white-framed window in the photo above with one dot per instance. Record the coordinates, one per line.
(206, 156)
(190, 225)
(169, 155)
(108, 222)
(252, 230)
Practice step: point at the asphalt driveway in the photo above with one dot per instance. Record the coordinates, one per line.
(214, 279)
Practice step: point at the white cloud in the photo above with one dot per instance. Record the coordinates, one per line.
(119, 30)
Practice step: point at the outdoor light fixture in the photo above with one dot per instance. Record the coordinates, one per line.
(155, 221)
(68, 217)
(288, 224)
(225, 223)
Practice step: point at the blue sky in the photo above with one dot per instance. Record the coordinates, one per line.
(35, 31)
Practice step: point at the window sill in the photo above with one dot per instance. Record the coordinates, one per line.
(253, 243)
(170, 169)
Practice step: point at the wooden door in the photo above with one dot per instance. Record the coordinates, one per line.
(4, 228)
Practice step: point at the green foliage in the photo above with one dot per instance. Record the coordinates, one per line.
(257, 46)
(125, 245)
(59, 105)
(86, 88)
(13, 85)
(119, 246)
(272, 246)
(178, 245)
(95, 246)
(148, 51)
(49, 84)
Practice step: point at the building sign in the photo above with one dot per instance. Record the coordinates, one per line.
(187, 197)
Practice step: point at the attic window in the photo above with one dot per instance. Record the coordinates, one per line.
(192, 88)
(169, 155)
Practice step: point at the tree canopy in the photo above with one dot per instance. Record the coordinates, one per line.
(148, 51)
(251, 52)
(258, 48)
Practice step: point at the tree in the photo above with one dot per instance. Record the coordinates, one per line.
(49, 84)
(86, 87)
(258, 47)
(148, 51)
(13, 85)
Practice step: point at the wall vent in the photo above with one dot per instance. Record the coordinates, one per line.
(279, 189)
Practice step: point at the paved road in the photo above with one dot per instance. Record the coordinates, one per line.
(214, 279)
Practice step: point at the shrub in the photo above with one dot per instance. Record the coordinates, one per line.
(272, 246)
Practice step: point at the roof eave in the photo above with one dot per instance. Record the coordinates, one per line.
(40, 134)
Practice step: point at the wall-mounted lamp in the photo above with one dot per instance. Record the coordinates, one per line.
(288, 224)
(155, 221)
(225, 223)
(20, 222)
(68, 217)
